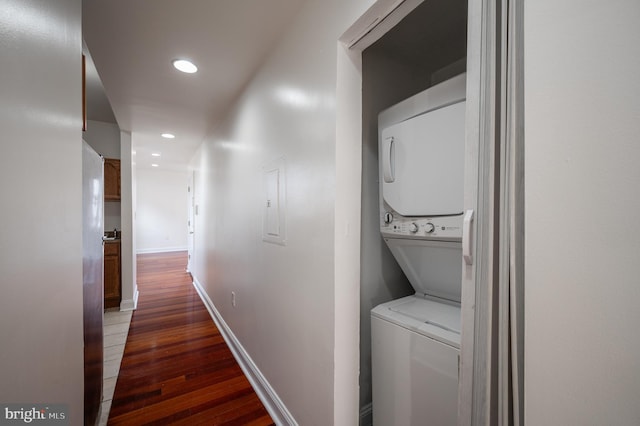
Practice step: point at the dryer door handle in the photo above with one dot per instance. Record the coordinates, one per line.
(388, 158)
(467, 248)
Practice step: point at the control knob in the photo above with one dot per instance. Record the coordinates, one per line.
(413, 228)
(429, 228)
(388, 218)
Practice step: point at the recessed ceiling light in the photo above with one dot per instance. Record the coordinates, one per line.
(185, 66)
(155, 165)
(168, 135)
(155, 154)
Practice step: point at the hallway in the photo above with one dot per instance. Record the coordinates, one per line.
(176, 367)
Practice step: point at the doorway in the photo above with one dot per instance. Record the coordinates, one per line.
(426, 47)
(485, 57)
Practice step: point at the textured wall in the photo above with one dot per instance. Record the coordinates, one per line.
(582, 359)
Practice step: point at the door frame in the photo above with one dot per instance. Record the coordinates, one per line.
(486, 106)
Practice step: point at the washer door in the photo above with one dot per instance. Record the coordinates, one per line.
(433, 268)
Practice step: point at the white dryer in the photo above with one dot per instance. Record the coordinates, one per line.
(416, 339)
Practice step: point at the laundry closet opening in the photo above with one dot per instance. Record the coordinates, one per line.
(427, 47)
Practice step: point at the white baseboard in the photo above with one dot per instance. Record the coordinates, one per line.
(160, 250)
(274, 405)
(130, 304)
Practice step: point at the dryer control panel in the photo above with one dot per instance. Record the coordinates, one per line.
(448, 228)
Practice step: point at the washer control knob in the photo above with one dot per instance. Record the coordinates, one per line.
(388, 217)
(429, 228)
(413, 228)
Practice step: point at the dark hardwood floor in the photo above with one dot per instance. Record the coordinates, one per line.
(176, 368)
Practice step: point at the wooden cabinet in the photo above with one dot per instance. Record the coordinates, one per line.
(112, 285)
(112, 270)
(111, 179)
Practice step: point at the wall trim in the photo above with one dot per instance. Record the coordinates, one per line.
(161, 250)
(272, 402)
(130, 304)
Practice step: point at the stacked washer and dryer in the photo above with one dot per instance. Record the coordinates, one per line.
(416, 339)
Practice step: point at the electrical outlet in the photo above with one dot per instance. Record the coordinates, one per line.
(233, 299)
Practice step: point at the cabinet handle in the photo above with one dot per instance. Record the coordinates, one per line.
(467, 251)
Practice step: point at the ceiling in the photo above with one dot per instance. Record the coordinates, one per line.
(432, 36)
(133, 44)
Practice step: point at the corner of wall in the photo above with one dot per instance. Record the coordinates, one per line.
(127, 204)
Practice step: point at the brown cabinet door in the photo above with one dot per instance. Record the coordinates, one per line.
(111, 179)
(112, 275)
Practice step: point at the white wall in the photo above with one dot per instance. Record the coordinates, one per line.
(162, 210)
(582, 105)
(105, 139)
(286, 295)
(41, 359)
(129, 224)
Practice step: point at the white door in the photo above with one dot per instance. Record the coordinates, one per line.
(190, 220)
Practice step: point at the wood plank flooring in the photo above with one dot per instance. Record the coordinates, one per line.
(176, 367)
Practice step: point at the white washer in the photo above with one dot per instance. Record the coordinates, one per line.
(416, 339)
(415, 348)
